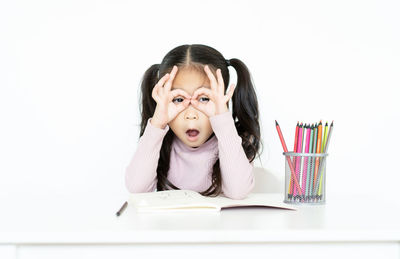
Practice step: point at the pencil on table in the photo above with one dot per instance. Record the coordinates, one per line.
(119, 212)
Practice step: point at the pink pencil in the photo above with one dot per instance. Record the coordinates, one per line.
(307, 149)
(294, 158)
(299, 147)
(287, 157)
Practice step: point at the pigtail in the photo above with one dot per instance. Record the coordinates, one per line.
(148, 105)
(245, 110)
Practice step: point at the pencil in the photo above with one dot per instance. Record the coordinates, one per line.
(326, 147)
(296, 134)
(319, 140)
(310, 162)
(324, 138)
(313, 161)
(305, 167)
(119, 212)
(323, 151)
(298, 159)
(287, 157)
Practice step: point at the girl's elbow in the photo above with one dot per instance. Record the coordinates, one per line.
(129, 182)
(236, 195)
(139, 188)
(134, 185)
(239, 193)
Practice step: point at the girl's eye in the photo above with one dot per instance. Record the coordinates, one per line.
(179, 100)
(204, 99)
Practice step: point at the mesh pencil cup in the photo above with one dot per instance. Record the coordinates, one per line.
(305, 177)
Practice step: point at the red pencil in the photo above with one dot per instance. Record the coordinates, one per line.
(288, 159)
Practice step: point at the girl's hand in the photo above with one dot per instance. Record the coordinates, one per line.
(214, 101)
(166, 110)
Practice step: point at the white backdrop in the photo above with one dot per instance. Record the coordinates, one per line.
(70, 74)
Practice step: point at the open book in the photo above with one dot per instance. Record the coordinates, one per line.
(187, 200)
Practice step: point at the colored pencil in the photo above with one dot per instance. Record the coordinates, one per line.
(326, 150)
(296, 134)
(298, 159)
(309, 167)
(323, 151)
(287, 157)
(313, 160)
(319, 141)
(305, 167)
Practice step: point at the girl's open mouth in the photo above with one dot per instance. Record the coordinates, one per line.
(192, 134)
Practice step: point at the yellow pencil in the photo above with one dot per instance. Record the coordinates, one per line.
(319, 141)
(323, 151)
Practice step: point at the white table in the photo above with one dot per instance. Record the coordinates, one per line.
(64, 227)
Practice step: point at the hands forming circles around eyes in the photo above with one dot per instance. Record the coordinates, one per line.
(167, 109)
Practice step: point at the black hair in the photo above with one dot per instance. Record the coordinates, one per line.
(244, 105)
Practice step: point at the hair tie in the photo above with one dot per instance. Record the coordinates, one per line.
(158, 71)
(228, 62)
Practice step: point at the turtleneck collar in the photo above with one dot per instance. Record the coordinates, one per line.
(208, 145)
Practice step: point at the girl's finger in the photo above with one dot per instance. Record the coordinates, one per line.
(173, 73)
(183, 105)
(196, 105)
(220, 81)
(199, 106)
(160, 91)
(154, 93)
(160, 84)
(178, 92)
(211, 77)
(231, 90)
(163, 79)
(181, 92)
(194, 102)
(200, 91)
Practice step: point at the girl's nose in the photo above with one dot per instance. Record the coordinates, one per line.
(191, 114)
(191, 117)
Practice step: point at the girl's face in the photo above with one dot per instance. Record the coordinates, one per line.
(191, 126)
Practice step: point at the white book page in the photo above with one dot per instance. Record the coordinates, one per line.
(193, 201)
(171, 200)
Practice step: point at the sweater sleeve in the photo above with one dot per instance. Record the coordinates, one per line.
(236, 170)
(141, 173)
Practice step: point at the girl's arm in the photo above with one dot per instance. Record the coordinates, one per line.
(236, 170)
(141, 173)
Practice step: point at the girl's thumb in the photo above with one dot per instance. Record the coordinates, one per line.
(194, 102)
(184, 105)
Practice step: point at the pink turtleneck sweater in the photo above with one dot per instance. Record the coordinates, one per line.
(191, 168)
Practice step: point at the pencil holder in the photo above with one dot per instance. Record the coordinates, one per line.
(305, 177)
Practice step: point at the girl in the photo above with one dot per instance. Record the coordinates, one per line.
(189, 139)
